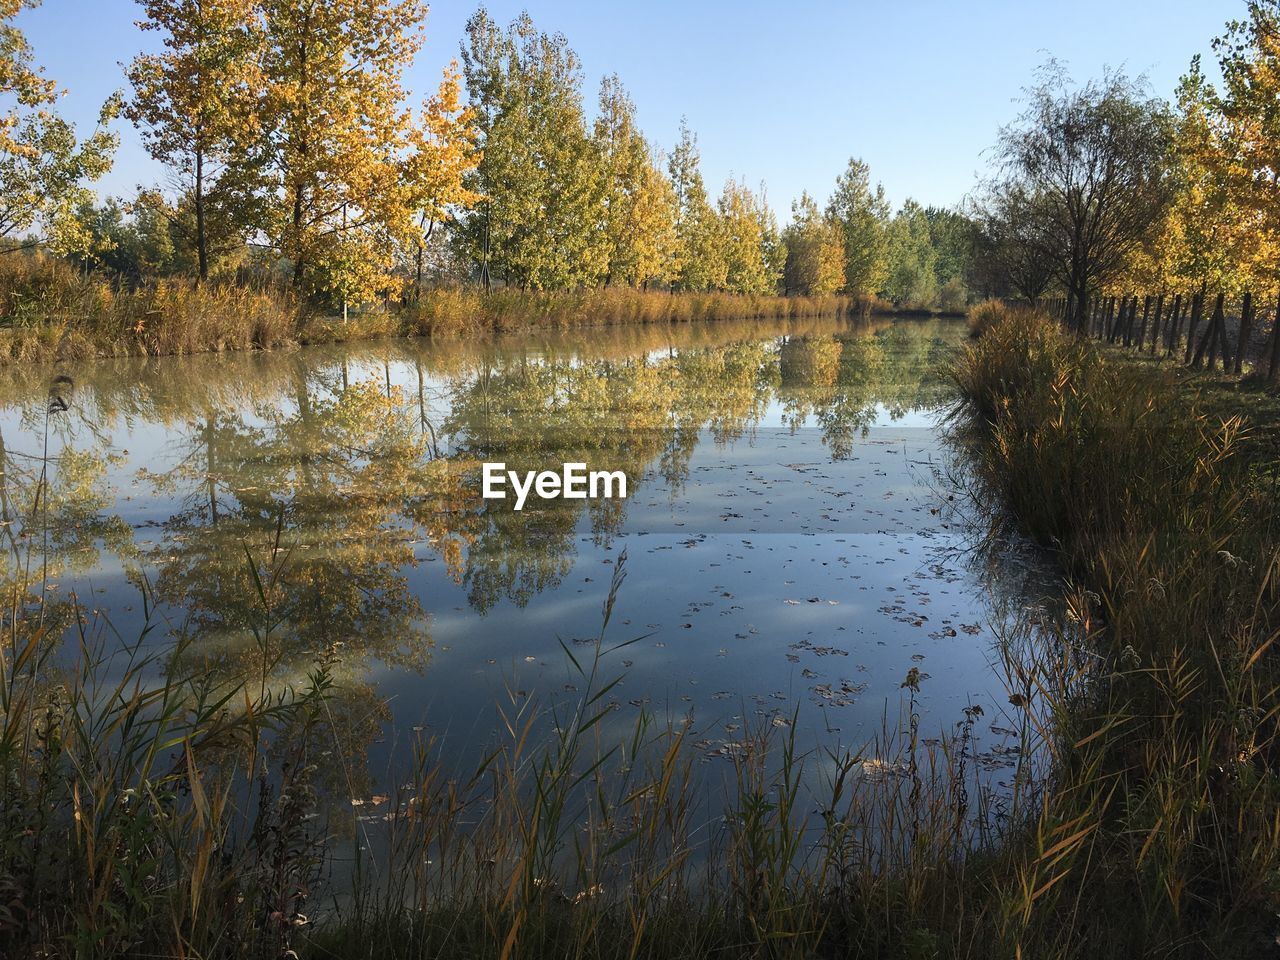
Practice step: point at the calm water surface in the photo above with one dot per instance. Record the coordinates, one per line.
(790, 549)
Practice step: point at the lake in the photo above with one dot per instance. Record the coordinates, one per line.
(792, 543)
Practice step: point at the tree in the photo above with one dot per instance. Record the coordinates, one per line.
(863, 215)
(444, 155)
(1011, 257)
(640, 221)
(1097, 160)
(700, 261)
(195, 105)
(814, 251)
(742, 215)
(912, 275)
(336, 139)
(541, 222)
(44, 168)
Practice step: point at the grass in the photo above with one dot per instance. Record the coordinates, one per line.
(150, 812)
(1152, 501)
(51, 311)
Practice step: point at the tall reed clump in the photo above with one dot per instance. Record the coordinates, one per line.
(53, 311)
(1166, 792)
(981, 317)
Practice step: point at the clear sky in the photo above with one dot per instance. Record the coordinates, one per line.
(779, 92)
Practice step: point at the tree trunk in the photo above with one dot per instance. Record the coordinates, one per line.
(1142, 328)
(202, 243)
(1246, 331)
(1197, 305)
(1273, 372)
(1157, 325)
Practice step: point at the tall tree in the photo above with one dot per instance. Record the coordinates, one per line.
(912, 276)
(863, 215)
(195, 104)
(742, 214)
(700, 260)
(444, 154)
(336, 138)
(44, 167)
(541, 222)
(640, 222)
(1097, 160)
(814, 251)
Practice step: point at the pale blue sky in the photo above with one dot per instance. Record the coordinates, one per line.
(779, 92)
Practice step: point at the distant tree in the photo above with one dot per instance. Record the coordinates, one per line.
(541, 222)
(195, 105)
(44, 169)
(1013, 256)
(640, 214)
(912, 274)
(1096, 159)
(814, 251)
(863, 215)
(700, 260)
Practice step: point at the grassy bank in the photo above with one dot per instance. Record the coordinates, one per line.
(51, 311)
(1158, 507)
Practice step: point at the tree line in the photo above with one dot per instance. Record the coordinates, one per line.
(290, 151)
(1111, 201)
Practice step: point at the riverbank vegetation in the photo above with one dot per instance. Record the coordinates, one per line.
(1115, 204)
(1163, 513)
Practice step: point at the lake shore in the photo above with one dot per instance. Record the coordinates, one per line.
(52, 314)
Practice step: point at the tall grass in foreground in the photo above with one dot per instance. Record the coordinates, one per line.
(1171, 771)
(152, 813)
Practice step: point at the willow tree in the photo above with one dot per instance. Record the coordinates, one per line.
(44, 167)
(541, 222)
(640, 216)
(1097, 160)
(336, 137)
(700, 259)
(863, 215)
(195, 105)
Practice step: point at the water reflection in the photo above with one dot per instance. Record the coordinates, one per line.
(325, 504)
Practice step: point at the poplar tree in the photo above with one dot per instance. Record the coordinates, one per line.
(863, 215)
(195, 105)
(700, 257)
(814, 251)
(639, 219)
(742, 216)
(541, 223)
(336, 138)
